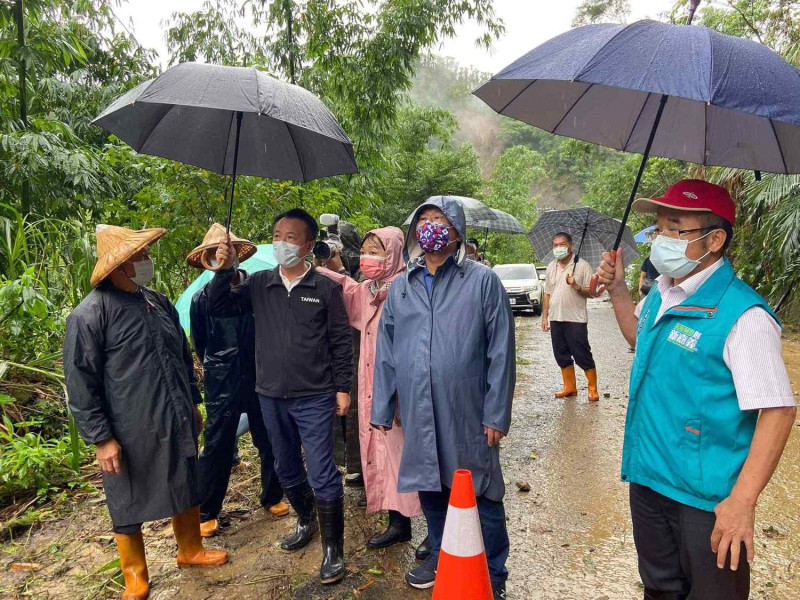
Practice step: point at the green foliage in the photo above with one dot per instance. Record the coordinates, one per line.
(28, 461)
(424, 162)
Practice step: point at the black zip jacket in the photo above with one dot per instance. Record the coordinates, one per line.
(303, 339)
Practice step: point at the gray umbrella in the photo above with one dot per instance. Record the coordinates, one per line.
(592, 232)
(233, 121)
(475, 211)
(502, 223)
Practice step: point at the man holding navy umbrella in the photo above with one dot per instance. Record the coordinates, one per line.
(710, 405)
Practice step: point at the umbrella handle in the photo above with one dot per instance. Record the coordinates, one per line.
(205, 260)
(205, 256)
(595, 289)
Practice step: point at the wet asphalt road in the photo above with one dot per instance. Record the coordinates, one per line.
(571, 534)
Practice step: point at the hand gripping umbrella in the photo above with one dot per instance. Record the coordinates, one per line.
(674, 91)
(233, 121)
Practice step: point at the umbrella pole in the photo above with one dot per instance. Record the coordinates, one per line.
(204, 258)
(485, 240)
(580, 245)
(594, 288)
(233, 177)
(639, 174)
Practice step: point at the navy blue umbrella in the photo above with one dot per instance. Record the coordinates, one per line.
(675, 91)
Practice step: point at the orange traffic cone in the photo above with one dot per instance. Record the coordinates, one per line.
(463, 573)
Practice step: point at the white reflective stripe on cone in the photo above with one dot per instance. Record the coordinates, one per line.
(462, 532)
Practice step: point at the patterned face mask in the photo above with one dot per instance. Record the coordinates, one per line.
(433, 237)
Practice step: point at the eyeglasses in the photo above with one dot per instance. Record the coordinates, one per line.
(651, 236)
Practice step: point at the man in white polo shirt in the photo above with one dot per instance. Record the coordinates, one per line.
(710, 405)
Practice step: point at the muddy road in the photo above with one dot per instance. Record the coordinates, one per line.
(570, 535)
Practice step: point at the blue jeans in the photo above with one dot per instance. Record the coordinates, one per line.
(493, 528)
(307, 423)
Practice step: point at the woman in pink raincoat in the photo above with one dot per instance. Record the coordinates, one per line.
(381, 261)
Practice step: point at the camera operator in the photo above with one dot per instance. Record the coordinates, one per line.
(338, 250)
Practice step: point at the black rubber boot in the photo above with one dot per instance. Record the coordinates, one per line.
(301, 497)
(399, 530)
(423, 550)
(331, 520)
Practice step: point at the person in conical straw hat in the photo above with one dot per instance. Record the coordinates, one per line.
(133, 394)
(226, 347)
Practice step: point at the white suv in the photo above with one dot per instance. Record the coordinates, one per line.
(522, 285)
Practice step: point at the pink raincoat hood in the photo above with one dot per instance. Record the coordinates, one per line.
(393, 241)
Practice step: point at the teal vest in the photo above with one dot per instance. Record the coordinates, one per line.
(685, 436)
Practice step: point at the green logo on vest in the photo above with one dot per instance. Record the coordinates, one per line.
(685, 337)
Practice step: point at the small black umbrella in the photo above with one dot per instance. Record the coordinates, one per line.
(674, 91)
(233, 121)
(593, 232)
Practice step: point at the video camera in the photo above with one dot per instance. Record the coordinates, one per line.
(329, 242)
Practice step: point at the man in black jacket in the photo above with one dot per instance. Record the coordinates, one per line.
(304, 368)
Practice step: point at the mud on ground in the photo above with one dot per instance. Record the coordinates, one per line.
(570, 535)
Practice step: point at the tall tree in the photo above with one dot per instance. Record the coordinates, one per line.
(601, 11)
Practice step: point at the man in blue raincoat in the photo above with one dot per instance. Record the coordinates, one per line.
(446, 365)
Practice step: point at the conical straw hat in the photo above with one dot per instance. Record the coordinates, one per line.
(216, 236)
(115, 245)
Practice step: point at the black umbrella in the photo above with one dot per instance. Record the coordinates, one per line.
(720, 100)
(594, 233)
(233, 121)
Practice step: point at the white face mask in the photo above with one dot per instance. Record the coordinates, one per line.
(287, 254)
(144, 271)
(668, 256)
(560, 252)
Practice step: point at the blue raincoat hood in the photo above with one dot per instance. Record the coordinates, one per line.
(454, 212)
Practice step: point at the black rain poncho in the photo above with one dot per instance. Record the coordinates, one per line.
(130, 375)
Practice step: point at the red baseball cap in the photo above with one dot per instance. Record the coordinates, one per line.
(692, 195)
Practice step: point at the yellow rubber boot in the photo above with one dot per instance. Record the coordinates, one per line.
(186, 527)
(209, 528)
(281, 509)
(570, 385)
(133, 564)
(591, 376)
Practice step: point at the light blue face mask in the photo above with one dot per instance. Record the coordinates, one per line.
(560, 252)
(668, 256)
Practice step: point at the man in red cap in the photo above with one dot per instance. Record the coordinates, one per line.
(710, 405)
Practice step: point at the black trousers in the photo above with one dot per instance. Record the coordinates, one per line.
(128, 529)
(222, 420)
(676, 562)
(571, 340)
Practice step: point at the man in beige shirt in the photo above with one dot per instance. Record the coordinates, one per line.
(564, 315)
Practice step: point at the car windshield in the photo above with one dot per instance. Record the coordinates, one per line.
(511, 272)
